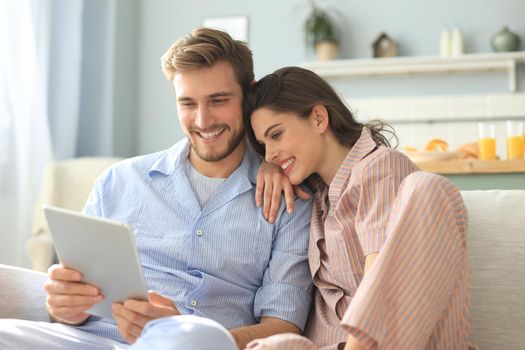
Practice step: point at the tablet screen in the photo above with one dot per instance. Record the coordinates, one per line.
(104, 251)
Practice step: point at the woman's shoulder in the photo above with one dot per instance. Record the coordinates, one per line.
(385, 157)
(382, 163)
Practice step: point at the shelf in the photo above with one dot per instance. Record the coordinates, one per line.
(402, 66)
(474, 166)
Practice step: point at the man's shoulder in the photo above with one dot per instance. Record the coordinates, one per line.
(141, 166)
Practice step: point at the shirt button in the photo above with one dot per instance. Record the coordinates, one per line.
(193, 303)
(199, 233)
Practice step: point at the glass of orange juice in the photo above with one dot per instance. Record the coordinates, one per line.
(486, 141)
(515, 140)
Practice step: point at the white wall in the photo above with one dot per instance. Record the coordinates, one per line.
(162, 22)
(276, 38)
(109, 84)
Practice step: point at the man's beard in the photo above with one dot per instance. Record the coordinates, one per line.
(232, 144)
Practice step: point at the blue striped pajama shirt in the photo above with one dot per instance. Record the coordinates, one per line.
(224, 262)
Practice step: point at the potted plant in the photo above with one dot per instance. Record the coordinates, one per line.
(321, 33)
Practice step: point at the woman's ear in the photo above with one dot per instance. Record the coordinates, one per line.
(320, 118)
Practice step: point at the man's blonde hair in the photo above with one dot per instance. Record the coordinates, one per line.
(204, 47)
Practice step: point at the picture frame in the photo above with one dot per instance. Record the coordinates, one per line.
(236, 26)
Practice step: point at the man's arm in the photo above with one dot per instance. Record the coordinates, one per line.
(267, 327)
(284, 296)
(132, 316)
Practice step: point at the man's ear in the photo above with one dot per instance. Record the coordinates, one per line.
(320, 118)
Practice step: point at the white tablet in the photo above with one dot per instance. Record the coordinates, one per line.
(104, 251)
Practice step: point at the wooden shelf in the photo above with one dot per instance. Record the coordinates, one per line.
(399, 66)
(474, 166)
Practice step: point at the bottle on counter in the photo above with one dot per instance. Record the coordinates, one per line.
(456, 43)
(445, 43)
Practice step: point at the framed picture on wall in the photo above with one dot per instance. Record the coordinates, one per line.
(236, 26)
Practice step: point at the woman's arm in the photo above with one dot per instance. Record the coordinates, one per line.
(271, 183)
(369, 262)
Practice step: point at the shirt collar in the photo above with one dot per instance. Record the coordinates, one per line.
(177, 155)
(364, 146)
(248, 168)
(171, 159)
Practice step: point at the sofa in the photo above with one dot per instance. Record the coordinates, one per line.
(66, 184)
(497, 252)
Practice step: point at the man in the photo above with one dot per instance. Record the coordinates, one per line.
(204, 246)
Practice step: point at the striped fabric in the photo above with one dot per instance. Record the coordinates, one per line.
(417, 294)
(224, 262)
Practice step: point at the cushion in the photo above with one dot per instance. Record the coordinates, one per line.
(497, 249)
(22, 294)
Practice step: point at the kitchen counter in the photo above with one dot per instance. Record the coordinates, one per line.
(473, 166)
(474, 174)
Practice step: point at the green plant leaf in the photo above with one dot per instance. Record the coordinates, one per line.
(319, 27)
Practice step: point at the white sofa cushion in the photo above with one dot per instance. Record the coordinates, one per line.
(22, 294)
(497, 250)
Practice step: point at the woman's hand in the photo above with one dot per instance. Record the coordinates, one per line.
(270, 183)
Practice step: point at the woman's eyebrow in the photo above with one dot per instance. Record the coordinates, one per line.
(270, 129)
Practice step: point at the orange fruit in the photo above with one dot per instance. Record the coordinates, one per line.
(436, 145)
(410, 149)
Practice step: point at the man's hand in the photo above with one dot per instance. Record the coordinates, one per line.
(270, 183)
(132, 315)
(267, 327)
(67, 297)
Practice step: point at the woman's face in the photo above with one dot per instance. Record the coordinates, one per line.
(291, 142)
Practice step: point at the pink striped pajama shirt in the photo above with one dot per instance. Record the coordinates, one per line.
(417, 294)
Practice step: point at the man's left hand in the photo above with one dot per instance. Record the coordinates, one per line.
(132, 315)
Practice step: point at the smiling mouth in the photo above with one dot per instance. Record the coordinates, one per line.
(210, 136)
(286, 164)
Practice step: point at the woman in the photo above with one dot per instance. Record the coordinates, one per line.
(387, 243)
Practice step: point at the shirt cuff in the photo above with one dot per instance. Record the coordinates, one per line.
(372, 240)
(283, 301)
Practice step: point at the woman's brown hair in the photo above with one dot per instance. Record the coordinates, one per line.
(298, 90)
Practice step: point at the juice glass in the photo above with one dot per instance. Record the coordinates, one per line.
(486, 141)
(515, 140)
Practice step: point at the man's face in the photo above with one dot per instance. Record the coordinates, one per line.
(209, 103)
